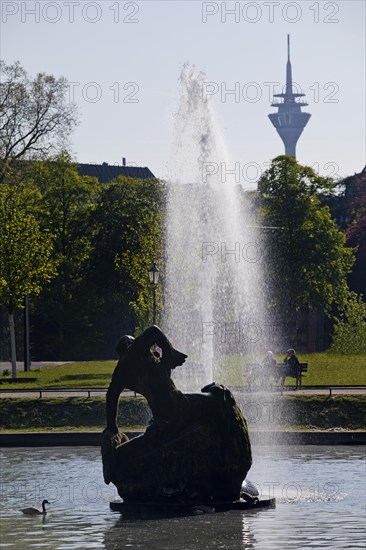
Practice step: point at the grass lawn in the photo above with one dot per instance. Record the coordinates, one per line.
(323, 369)
(327, 368)
(83, 374)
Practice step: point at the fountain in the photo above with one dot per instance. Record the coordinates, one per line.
(196, 449)
(214, 297)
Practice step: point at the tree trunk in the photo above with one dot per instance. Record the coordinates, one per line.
(12, 346)
(27, 362)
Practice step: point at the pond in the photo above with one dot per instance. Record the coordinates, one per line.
(320, 494)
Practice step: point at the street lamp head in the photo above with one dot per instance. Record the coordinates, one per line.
(154, 272)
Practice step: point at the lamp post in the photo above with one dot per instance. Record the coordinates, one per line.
(154, 279)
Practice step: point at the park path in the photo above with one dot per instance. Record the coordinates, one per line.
(329, 391)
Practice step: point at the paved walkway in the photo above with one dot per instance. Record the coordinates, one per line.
(327, 391)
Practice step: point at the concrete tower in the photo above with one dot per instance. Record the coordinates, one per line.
(289, 121)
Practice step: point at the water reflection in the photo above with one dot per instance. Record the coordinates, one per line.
(229, 530)
(320, 495)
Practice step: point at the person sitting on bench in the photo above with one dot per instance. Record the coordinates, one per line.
(292, 366)
(269, 367)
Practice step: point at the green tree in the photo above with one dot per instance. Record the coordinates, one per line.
(350, 328)
(356, 235)
(107, 291)
(307, 259)
(144, 245)
(68, 205)
(36, 116)
(111, 286)
(25, 253)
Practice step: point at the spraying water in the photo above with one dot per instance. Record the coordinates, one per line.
(213, 293)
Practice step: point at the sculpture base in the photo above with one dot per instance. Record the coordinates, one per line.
(139, 509)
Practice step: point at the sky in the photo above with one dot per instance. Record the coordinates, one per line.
(123, 61)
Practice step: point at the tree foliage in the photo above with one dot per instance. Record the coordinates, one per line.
(25, 254)
(36, 116)
(144, 247)
(25, 249)
(142, 242)
(307, 259)
(350, 328)
(69, 202)
(68, 205)
(104, 239)
(356, 232)
(96, 296)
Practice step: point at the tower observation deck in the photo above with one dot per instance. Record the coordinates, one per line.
(289, 121)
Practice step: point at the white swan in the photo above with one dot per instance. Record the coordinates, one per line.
(36, 511)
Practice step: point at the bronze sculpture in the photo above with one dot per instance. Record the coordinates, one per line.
(196, 447)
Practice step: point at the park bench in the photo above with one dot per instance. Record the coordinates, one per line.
(303, 368)
(259, 376)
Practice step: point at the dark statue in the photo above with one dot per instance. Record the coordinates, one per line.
(196, 448)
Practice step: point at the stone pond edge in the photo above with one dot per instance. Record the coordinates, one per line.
(93, 439)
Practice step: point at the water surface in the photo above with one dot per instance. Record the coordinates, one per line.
(320, 495)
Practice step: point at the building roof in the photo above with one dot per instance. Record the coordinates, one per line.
(108, 172)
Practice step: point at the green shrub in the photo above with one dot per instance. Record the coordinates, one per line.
(349, 334)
